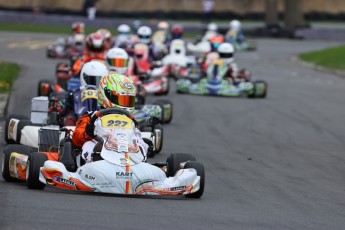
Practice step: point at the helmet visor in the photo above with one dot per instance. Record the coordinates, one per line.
(91, 80)
(117, 62)
(226, 55)
(123, 100)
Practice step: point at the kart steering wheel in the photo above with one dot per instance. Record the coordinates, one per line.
(108, 111)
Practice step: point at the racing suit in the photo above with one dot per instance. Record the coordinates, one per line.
(82, 138)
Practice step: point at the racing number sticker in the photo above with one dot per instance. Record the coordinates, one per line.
(89, 94)
(116, 121)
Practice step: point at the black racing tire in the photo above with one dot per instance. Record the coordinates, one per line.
(22, 149)
(264, 84)
(168, 87)
(162, 104)
(200, 172)
(7, 125)
(35, 162)
(21, 125)
(174, 161)
(160, 128)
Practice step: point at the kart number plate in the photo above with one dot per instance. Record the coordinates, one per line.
(116, 121)
(87, 94)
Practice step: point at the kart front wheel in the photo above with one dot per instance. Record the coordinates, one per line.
(174, 162)
(158, 133)
(35, 162)
(200, 172)
(9, 149)
(167, 110)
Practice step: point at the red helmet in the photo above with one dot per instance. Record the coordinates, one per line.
(95, 42)
(176, 31)
(78, 27)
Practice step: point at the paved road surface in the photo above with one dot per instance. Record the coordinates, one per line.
(276, 163)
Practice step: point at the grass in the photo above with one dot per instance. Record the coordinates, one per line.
(8, 73)
(55, 29)
(333, 58)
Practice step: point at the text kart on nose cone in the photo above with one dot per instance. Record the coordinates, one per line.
(120, 167)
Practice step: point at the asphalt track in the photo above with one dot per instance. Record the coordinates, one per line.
(276, 163)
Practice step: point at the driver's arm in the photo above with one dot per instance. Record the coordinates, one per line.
(80, 136)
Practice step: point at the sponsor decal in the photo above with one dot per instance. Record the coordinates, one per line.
(175, 188)
(123, 161)
(124, 175)
(65, 181)
(128, 86)
(90, 177)
(80, 171)
(11, 129)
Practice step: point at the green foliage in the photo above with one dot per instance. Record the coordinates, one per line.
(8, 73)
(56, 29)
(330, 58)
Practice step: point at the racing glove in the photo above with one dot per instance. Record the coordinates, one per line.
(89, 130)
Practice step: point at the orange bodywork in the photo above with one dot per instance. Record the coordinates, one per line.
(53, 178)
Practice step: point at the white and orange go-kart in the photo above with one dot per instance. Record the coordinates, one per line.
(118, 166)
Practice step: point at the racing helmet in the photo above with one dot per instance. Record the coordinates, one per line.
(117, 91)
(106, 34)
(117, 60)
(212, 27)
(123, 29)
(163, 25)
(176, 31)
(216, 40)
(78, 27)
(235, 25)
(95, 43)
(226, 52)
(144, 33)
(92, 72)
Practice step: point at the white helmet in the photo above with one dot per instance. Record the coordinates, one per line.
(92, 72)
(123, 29)
(117, 60)
(226, 52)
(144, 34)
(212, 27)
(235, 25)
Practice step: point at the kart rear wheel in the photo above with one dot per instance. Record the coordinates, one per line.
(44, 88)
(35, 162)
(174, 162)
(200, 172)
(7, 126)
(165, 104)
(260, 89)
(9, 149)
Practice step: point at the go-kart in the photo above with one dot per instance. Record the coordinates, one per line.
(118, 166)
(215, 84)
(240, 44)
(66, 48)
(152, 77)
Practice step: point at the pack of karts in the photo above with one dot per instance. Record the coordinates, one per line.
(53, 111)
(118, 167)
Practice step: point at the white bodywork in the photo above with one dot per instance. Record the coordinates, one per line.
(122, 171)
